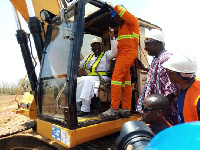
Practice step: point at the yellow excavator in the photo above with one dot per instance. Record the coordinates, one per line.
(61, 31)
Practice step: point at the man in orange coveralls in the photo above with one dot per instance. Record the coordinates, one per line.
(128, 39)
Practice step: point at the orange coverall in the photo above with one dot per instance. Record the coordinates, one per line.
(190, 103)
(128, 39)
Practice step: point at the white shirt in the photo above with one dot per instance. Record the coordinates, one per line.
(104, 64)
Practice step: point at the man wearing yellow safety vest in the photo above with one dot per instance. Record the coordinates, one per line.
(128, 39)
(87, 86)
(181, 70)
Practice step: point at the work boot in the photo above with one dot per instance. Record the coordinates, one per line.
(124, 113)
(110, 113)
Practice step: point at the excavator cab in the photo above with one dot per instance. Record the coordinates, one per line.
(67, 38)
(61, 56)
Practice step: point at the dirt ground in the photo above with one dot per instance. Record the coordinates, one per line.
(9, 121)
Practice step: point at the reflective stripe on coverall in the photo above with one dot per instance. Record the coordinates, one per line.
(190, 103)
(128, 39)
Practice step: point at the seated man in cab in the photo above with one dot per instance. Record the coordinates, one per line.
(87, 86)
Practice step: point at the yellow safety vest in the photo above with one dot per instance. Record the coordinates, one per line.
(94, 66)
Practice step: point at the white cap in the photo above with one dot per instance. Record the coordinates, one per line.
(156, 35)
(96, 40)
(181, 63)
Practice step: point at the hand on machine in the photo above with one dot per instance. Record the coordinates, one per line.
(111, 33)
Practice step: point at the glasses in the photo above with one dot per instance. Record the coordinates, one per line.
(149, 40)
(146, 110)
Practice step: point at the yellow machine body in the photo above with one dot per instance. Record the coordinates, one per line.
(27, 106)
(70, 138)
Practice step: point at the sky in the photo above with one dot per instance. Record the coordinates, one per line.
(179, 20)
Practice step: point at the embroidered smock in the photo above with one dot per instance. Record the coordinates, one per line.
(158, 82)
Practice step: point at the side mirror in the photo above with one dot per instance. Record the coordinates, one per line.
(46, 16)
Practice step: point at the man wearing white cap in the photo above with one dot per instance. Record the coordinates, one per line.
(181, 70)
(87, 86)
(157, 81)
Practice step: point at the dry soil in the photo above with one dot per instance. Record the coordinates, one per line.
(10, 121)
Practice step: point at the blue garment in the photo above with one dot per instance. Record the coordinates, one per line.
(179, 137)
(198, 108)
(113, 13)
(180, 104)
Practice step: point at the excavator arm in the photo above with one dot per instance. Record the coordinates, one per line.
(38, 5)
